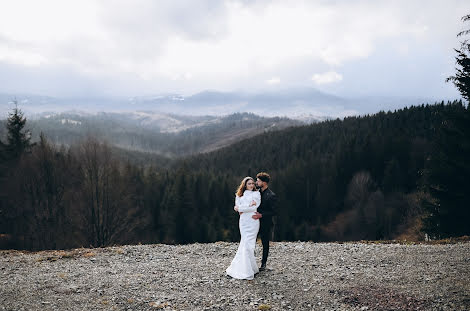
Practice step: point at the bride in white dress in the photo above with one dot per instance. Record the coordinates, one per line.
(247, 200)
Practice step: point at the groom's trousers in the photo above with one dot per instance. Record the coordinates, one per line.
(265, 235)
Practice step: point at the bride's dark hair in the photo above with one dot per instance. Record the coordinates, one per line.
(242, 186)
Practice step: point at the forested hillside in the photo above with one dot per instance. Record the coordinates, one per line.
(366, 177)
(382, 176)
(161, 134)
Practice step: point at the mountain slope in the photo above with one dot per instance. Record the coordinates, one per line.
(357, 178)
(167, 135)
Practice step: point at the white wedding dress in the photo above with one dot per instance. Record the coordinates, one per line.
(244, 265)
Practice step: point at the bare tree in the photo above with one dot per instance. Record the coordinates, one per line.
(365, 199)
(99, 195)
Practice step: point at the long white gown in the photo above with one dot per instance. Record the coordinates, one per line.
(244, 265)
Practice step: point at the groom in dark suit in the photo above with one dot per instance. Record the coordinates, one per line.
(265, 214)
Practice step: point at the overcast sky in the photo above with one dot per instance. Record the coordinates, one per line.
(143, 47)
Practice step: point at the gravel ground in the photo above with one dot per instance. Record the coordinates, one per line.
(301, 276)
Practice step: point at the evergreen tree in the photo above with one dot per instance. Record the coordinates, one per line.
(447, 175)
(462, 77)
(3, 149)
(18, 140)
(447, 171)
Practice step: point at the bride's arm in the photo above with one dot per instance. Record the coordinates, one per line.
(247, 208)
(237, 203)
(257, 199)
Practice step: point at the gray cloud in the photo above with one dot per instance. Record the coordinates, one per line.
(141, 47)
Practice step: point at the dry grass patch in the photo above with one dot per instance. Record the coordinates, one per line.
(62, 254)
(158, 305)
(89, 254)
(119, 251)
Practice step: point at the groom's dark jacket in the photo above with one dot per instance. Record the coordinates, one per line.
(267, 206)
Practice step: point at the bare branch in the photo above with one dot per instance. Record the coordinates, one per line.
(463, 33)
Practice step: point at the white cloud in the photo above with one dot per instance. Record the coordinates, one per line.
(20, 57)
(327, 77)
(273, 81)
(195, 45)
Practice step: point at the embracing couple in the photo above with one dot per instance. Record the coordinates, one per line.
(254, 201)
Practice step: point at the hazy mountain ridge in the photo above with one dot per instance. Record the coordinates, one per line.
(158, 133)
(174, 124)
(306, 104)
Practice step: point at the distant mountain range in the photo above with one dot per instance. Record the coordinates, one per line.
(306, 104)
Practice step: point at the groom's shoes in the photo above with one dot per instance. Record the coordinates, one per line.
(262, 268)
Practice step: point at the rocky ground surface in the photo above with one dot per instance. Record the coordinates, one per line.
(301, 276)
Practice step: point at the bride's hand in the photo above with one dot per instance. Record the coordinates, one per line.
(253, 203)
(235, 208)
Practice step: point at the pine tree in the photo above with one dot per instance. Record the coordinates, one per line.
(447, 175)
(2, 150)
(447, 172)
(461, 79)
(18, 140)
